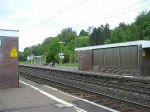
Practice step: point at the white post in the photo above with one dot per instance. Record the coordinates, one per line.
(61, 52)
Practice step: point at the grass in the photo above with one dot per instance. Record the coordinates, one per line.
(25, 62)
(70, 64)
(64, 64)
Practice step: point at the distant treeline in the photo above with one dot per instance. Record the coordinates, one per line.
(50, 47)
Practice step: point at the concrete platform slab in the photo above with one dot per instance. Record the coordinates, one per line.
(27, 99)
(14, 99)
(49, 108)
(85, 105)
(91, 108)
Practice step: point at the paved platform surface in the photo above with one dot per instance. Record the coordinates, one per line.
(33, 97)
(26, 99)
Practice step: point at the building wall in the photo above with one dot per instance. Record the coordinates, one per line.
(146, 62)
(8, 64)
(85, 60)
(117, 60)
(119, 70)
(116, 57)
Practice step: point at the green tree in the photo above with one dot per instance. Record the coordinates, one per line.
(118, 35)
(122, 25)
(52, 50)
(143, 23)
(140, 29)
(83, 33)
(83, 41)
(67, 35)
(93, 37)
(135, 34)
(21, 56)
(69, 51)
(100, 35)
(37, 50)
(107, 32)
(27, 52)
(90, 30)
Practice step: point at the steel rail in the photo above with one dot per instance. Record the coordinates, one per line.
(77, 86)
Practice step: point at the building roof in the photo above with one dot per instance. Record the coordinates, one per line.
(9, 33)
(143, 43)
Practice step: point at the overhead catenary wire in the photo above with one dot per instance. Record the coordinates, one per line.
(33, 11)
(127, 12)
(130, 6)
(67, 9)
(116, 11)
(71, 6)
(57, 14)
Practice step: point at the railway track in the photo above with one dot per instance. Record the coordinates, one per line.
(125, 91)
(143, 89)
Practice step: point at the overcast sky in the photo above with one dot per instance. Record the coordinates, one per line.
(39, 19)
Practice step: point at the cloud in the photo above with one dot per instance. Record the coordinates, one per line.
(38, 19)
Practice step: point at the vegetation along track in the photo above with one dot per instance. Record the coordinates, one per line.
(135, 92)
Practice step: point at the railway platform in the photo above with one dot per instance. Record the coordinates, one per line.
(34, 97)
(76, 70)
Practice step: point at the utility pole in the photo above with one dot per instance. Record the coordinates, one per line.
(75, 48)
(31, 54)
(61, 54)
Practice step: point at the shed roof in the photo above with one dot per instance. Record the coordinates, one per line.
(143, 43)
(9, 33)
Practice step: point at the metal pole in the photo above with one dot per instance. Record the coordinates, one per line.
(61, 53)
(75, 42)
(60, 57)
(75, 48)
(31, 55)
(61, 48)
(61, 62)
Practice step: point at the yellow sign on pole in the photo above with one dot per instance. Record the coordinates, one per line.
(144, 53)
(14, 53)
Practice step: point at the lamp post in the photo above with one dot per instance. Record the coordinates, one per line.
(61, 45)
(75, 48)
(31, 54)
(61, 55)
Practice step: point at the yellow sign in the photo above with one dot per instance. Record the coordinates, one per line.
(144, 54)
(14, 53)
